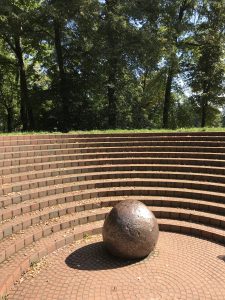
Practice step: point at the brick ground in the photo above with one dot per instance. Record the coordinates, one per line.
(57, 189)
(182, 267)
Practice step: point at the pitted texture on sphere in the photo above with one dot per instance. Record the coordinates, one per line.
(130, 230)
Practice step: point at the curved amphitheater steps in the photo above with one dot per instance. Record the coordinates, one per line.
(18, 187)
(57, 189)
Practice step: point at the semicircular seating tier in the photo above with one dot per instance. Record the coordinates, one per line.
(55, 189)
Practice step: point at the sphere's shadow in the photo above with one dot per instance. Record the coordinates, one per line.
(221, 257)
(93, 257)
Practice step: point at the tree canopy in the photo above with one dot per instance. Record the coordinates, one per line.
(91, 64)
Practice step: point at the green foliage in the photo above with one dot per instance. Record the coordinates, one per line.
(89, 64)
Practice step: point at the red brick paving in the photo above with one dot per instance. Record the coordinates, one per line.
(182, 267)
(57, 189)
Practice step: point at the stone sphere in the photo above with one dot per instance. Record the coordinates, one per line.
(130, 230)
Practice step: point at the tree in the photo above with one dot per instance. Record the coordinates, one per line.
(14, 31)
(119, 46)
(89, 64)
(207, 79)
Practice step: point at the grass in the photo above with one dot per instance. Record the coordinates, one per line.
(111, 131)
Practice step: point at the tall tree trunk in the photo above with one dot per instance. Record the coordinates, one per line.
(113, 60)
(23, 86)
(112, 107)
(171, 69)
(62, 77)
(30, 117)
(204, 101)
(9, 119)
(144, 81)
(204, 106)
(167, 98)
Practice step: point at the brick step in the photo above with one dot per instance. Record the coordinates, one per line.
(13, 243)
(171, 135)
(24, 221)
(204, 187)
(62, 179)
(37, 165)
(97, 138)
(47, 209)
(136, 152)
(51, 147)
(111, 144)
(22, 260)
(28, 206)
(109, 135)
(67, 197)
(194, 229)
(32, 157)
(12, 269)
(65, 170)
